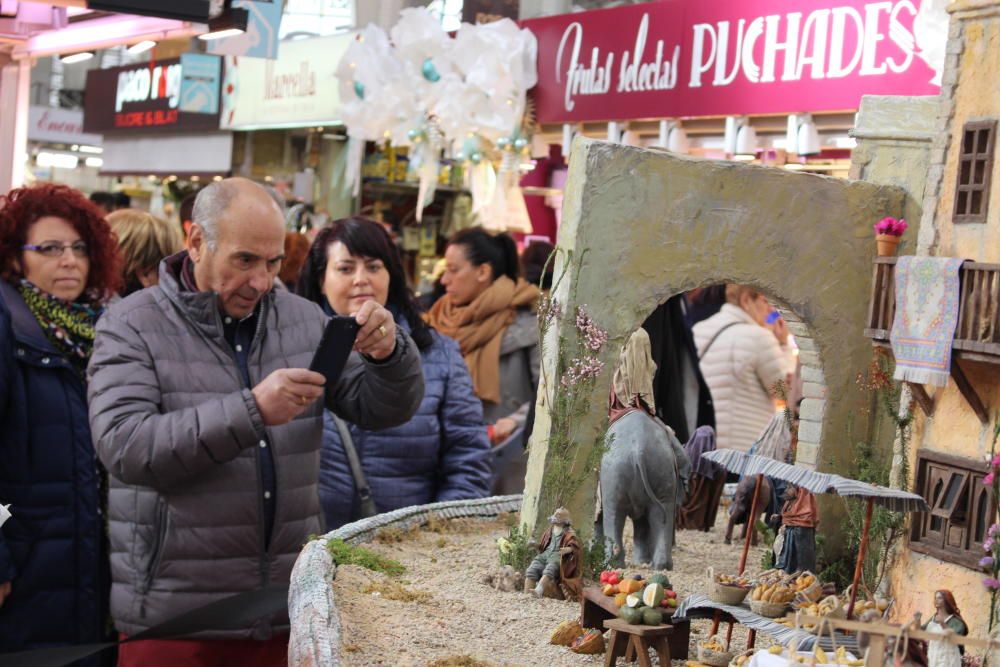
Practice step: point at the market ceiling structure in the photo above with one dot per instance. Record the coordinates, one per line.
(35, 29)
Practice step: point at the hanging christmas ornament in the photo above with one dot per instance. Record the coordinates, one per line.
(359, 90)
(503, 143)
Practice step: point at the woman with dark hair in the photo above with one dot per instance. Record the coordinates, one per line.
(705, 488)
(59, 264)
(440, 454)
(489, 310)
(946, 618)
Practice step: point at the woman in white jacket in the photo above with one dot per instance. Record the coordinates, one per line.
(743, 359)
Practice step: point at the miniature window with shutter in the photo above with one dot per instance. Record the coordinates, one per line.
(961, 508)
(975, 164)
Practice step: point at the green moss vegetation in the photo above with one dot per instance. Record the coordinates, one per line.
(578, 350)
(344, 553)
(391, 589)
(873, 464)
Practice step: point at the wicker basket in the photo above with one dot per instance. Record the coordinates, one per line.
(724, 593)
(748, 653)
(591, 643)
(707, 656)
(768, 609)
(565, 633)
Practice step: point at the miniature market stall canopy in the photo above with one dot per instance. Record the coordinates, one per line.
(896, 500)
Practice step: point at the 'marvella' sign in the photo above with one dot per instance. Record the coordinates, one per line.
(718, 57)
(145, 97)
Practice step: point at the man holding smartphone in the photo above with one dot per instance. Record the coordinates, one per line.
(207, 418)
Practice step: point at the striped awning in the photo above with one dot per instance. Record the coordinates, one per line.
(740, 463)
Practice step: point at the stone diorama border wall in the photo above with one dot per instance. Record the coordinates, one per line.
(312, 610)
(654, 224)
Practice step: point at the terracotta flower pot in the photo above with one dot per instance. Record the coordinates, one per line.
(886, 244)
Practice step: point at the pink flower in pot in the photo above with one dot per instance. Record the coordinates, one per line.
(887, 233)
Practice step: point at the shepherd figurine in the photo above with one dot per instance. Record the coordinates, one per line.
(556, 571)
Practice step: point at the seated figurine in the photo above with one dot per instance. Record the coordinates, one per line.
(556, 571)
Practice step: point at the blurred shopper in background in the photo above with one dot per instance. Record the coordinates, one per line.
(703, 302)
(742, 359)
(296, 251)
(104, 201)
(187, 214)
(489, 310)
(144, 241)
(202, 407)
(705, 488)
(442, 453)
(121, 200)
(59, 264)
(536, 266)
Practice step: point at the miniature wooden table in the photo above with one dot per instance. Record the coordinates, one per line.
(634, 641)
(596, 608)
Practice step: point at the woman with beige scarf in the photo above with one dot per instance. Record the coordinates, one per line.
(489, 310)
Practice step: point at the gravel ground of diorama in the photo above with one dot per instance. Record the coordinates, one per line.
(440, 613)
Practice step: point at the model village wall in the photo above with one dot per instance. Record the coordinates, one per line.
(655, 224)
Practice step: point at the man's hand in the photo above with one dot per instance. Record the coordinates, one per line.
(286, 393)
(4, 592)
(377, 335)
(502, 429)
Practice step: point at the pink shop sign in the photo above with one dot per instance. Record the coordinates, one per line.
(61, 126)
(722, 57)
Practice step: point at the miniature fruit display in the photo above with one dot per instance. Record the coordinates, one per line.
(651, 616)
(652, 595)
(631, 615)
(669, 600)
(660, 579)
(648, 607)
(612, 577)
(630, 585)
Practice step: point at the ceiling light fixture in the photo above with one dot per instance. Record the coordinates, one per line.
(77, 57)
(47, 159)
(740, 138)
(802, 137)
(141, 47)
(231, 22)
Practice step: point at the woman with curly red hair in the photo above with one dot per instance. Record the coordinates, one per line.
(58, 266)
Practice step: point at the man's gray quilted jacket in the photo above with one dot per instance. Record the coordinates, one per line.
(180, 435)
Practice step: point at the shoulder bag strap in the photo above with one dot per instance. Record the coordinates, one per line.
(360, 483)
(715, 337)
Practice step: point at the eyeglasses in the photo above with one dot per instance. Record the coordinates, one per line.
(55, 249)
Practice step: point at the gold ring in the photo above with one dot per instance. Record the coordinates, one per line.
(382, 330)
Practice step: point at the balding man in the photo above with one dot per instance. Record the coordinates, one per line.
(209, 424)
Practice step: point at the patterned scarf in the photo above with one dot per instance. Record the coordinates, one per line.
(69, 326)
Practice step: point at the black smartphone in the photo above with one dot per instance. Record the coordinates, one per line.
(334, 348)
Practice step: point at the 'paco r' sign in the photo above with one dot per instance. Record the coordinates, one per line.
(149, 83)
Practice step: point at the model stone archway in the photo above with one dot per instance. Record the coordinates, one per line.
(655, 224)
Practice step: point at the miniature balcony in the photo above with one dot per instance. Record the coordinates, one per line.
(977, 335)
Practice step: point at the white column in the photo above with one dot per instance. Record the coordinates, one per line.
(15, 87)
